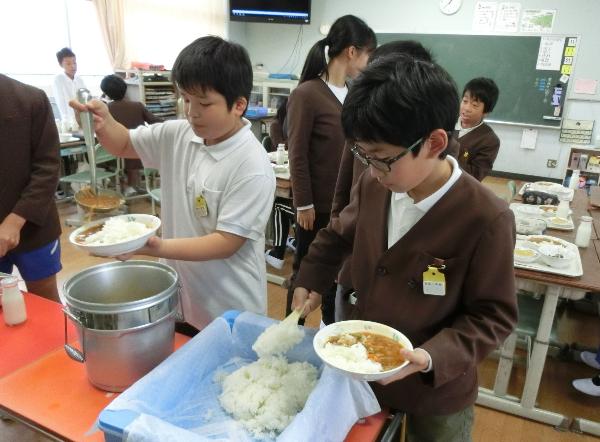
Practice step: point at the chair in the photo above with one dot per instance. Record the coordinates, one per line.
(102, 156)
(267, 143)
(151, 177)
(512, 190)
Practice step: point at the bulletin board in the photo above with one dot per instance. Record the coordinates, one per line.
(532, 72)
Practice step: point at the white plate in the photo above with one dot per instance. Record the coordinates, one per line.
(122, 247)
(574, 268)
(552, 224)
(338, 328)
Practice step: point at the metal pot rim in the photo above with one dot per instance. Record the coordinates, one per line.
(121, 307)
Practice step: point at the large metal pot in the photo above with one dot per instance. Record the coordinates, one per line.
(124, 313)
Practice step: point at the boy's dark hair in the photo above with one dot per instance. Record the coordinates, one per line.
(408, 47)
(397, 100)
(213, 63)
(114, 87)
(346, 31)
(282, 110)
(64, 53)
(484, 90)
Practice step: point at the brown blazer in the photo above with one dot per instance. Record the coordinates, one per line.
(478, 151)
(30, 162)
(473, 231)
(350, 171)
(315, 143)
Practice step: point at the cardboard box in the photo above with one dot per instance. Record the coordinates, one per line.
(574, 164)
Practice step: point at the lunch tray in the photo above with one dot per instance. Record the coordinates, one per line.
(542, 187)
(574, 269)
(548, 219)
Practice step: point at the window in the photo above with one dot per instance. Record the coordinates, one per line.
(38, 29)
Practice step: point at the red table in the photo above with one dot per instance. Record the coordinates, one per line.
(43, 331)
(45, 389)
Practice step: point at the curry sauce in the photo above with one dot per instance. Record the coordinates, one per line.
(380, 348)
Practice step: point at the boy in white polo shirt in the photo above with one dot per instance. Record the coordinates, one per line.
(216, 180)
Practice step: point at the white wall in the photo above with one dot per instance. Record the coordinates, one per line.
(271, 44)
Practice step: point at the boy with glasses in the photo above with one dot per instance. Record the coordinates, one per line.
(431, 248)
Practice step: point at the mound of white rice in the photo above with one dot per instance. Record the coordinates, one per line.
(278, 339)
(353, 358)
(116, 230)
(266, 395)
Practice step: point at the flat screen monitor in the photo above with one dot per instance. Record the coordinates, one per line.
(270, 11)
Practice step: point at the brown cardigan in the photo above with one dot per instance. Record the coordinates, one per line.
(315, 143)
(350, 171)
(131, 114)
(473, 231)
(478, 151)
(30, 164)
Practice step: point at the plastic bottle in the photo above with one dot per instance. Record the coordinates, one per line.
(584, 232)
(562, 210)
(574, 183)
(280, 155)
(13, 303)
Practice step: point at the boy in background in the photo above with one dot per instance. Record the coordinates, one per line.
(130, 114)
(216, 180)
(479, 144)
(398, 113)
(66, 84)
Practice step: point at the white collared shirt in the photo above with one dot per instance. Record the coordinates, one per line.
(236, 180)
(404, 213)
(462, 131)
(64, 90)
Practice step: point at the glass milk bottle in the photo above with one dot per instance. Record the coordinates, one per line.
(563, 207)
(584, 232)
(280, 154)
(13, 303)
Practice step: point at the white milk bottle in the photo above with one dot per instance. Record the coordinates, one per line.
(13, 303)
(584, 232)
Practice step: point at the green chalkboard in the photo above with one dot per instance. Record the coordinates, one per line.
(527, 95)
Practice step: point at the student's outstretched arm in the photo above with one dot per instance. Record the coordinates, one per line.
(217, 245)
(110, 133)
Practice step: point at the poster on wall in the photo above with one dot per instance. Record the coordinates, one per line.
(484, 16)
(507, 18)
(550, 53)
(540, 21)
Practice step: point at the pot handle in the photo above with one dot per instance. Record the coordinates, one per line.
(72, 352)
(179, 316)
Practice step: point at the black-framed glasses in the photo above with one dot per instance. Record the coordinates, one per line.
(381, 164)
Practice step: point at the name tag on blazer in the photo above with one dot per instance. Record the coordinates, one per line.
(434, 281)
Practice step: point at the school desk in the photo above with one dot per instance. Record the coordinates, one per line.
(44, 389)
(552, 287)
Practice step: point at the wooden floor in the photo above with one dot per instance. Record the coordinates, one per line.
(556, 392)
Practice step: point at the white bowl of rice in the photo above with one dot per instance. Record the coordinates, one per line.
(116, 235)
(346, 347)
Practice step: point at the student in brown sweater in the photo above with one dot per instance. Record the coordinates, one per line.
(130, 114)
(29, 171)
(479, 144)
(315, 135)
(399, 232)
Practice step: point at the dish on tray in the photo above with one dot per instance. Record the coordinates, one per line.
(535, 241)
(525, 254)
(556, 256)
(530, 226)
(559, 221)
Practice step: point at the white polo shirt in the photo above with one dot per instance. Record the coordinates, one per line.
(64, 90)
(236, 179)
